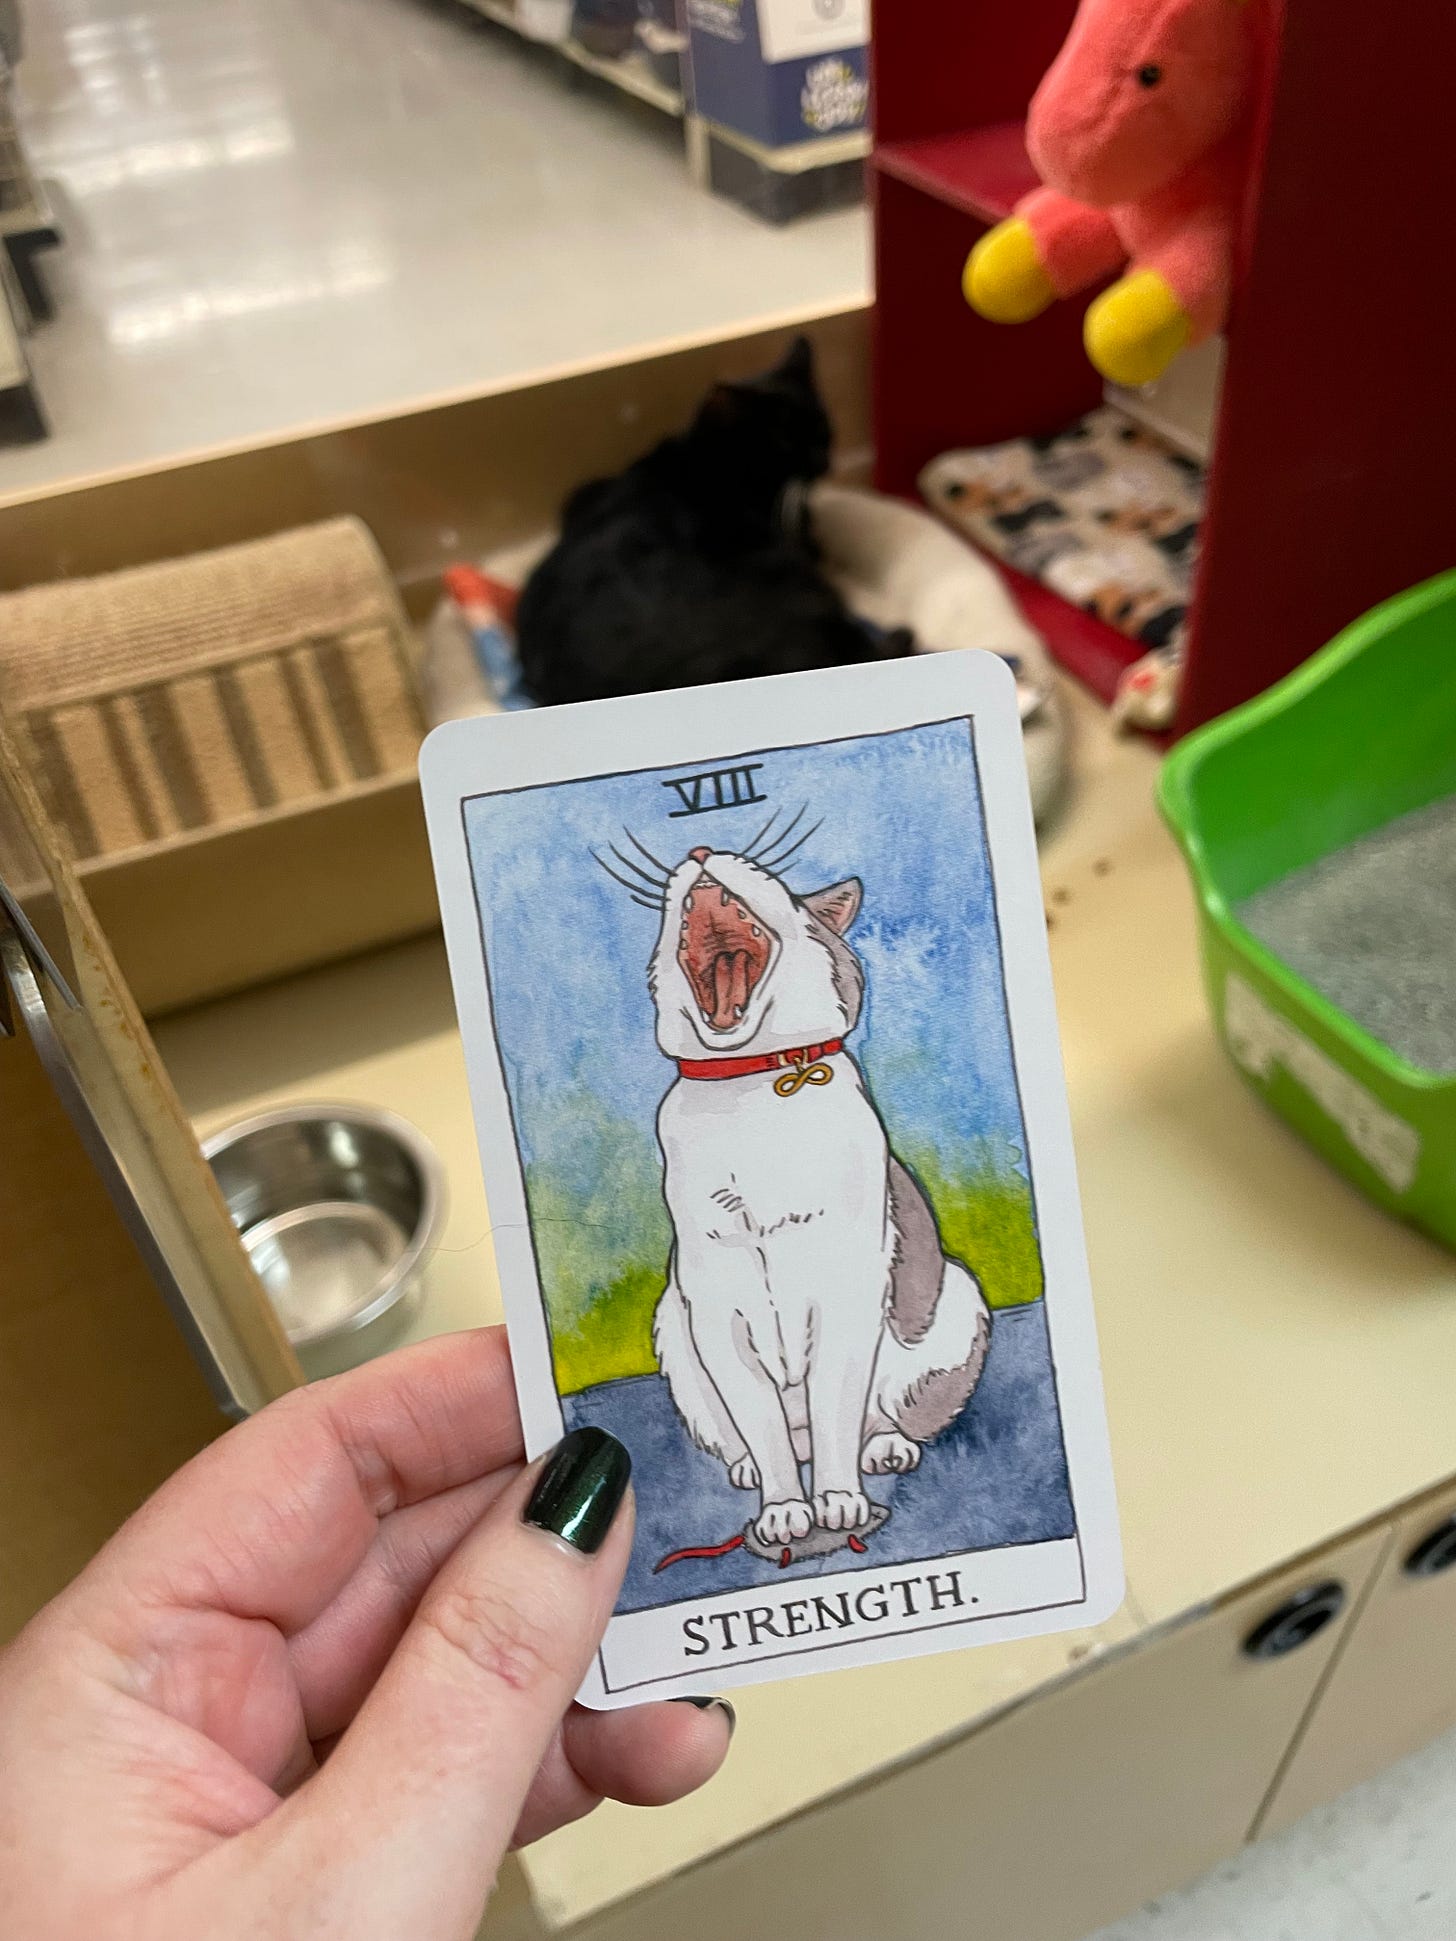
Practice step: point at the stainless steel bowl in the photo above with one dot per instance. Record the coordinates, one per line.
(337, 1206)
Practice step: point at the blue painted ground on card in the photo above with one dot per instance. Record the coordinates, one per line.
(996, 1476)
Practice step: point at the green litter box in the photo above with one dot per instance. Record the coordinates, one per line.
(1361, 734)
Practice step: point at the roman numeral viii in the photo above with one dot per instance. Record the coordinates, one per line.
(716, 788)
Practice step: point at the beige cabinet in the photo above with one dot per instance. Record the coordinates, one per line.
(1392, 1686)
(99, 1398)
(1056, 1817)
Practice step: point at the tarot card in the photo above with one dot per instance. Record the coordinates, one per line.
(757, 1012)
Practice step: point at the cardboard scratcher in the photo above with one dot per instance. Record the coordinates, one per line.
(227, 744)
(212, 691)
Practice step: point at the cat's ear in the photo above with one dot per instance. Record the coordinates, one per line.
(838, 906)
(720, 410)
(798, 362)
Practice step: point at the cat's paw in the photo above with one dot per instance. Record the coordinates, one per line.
(784, 1522)
(842, 1509)
(890, 1454)
(743, 1474)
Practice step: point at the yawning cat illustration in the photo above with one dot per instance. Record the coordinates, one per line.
(810, 1315)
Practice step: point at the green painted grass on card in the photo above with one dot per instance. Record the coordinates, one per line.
(614, 1337)
(985, 1220)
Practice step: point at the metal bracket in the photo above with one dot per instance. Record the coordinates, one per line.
(30, 940)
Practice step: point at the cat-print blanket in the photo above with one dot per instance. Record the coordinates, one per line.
(1104, 514)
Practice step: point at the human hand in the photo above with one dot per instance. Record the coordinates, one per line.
(323, 1679)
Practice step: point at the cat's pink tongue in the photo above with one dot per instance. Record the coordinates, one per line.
(730, 988)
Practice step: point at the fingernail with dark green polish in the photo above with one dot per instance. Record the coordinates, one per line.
(581, 1489)
(709, 1704)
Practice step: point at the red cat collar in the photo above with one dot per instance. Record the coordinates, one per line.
(803, 1063)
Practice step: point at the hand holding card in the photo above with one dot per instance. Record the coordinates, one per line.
(757, 1012)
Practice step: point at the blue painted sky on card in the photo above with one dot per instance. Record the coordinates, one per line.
(567, 949)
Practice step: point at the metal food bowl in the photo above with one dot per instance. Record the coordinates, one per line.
(337, 1206)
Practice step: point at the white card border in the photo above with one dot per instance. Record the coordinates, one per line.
(487, 755)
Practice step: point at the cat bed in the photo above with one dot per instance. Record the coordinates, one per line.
(894, 565)
(1105, 515)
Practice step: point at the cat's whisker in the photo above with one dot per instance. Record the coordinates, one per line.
(633, 889)
(647, 902)
(643, 850)
(752, 848)
(793, 849)
(783, 844)
(782, 836)
(658, 883)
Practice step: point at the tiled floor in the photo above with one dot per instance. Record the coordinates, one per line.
(279, 213)
(1378, 1865)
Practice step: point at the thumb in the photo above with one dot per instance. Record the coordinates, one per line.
(405, 1826)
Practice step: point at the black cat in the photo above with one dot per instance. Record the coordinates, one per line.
(685, 569)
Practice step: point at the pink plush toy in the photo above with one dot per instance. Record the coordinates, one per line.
(1140, 131)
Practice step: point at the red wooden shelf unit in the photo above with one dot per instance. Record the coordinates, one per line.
(1329, 486)
(984, 171)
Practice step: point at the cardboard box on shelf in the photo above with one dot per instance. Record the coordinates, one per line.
(780, 71)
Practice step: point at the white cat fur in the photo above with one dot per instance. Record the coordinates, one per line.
(810, 1316)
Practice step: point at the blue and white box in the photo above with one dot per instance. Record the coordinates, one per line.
(781, 71)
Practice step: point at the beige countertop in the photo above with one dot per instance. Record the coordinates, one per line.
(1277, 1353)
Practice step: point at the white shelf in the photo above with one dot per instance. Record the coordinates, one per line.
(797, 157)
(633, 74)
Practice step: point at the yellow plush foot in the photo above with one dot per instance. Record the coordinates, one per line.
(1004, 280)
(1135, 330)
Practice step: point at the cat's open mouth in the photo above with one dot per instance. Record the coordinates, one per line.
(724, 950)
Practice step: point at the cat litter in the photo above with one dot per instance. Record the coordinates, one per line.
(1373, 927)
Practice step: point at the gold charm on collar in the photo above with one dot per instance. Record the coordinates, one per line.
(803, 1074)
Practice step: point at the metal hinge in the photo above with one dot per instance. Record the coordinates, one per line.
(14, 920)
